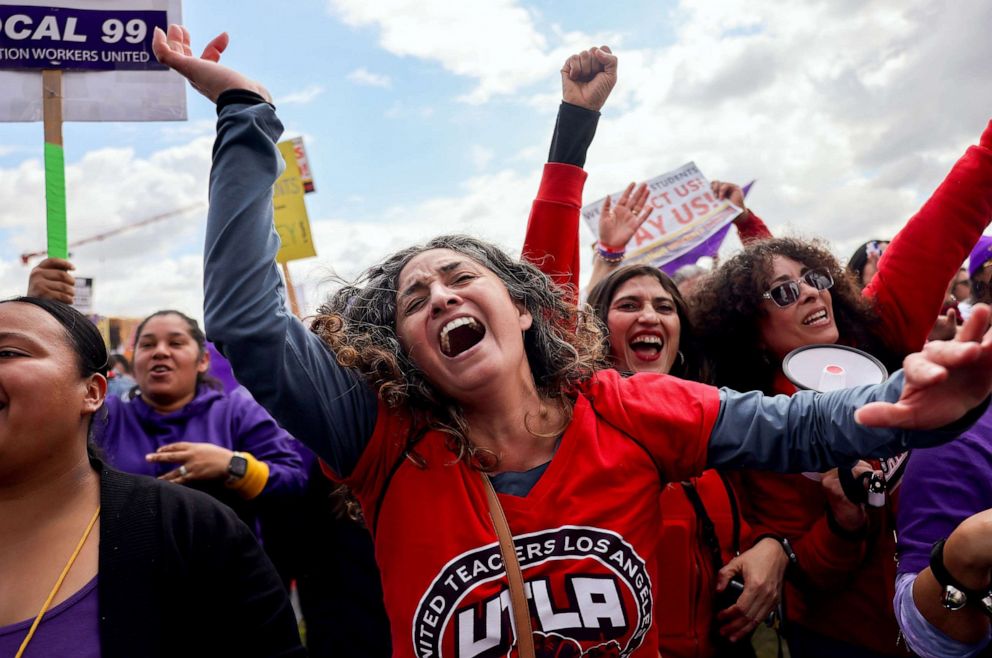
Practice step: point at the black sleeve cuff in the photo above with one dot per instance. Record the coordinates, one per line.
(574, 130)
(964, 423)
(238, 97)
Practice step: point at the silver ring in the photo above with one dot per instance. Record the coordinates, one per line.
(183, 472)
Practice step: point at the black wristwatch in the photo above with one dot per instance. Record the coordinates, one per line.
(237, 467)
(955, 596)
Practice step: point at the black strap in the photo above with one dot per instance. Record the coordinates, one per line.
(975, 598)
(710, 539)
(854, 487)
(734, 511)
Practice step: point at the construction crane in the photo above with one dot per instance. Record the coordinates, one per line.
(26, 258)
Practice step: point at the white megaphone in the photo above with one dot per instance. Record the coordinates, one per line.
(829, 368)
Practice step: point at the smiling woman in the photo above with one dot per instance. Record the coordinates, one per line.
(578, 456)
(180, 426)
(148, 543)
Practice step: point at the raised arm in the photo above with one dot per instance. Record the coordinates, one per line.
(912, 277)
(750, 228)
(288, 369)
(50, 279)
(552, 239)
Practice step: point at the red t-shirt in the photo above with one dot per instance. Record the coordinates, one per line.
(586, 533)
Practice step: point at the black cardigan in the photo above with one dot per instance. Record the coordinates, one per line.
(181, 575)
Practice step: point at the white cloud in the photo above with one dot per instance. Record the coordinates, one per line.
(135, 271)
(480, 156)
(301, 97)
(494, 42)
(848, 114)
(362, 76)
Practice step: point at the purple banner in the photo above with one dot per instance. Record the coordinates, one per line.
(63, 38)
(708, 247)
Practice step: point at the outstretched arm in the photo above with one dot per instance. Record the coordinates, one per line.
(688, 427)
(289, 370)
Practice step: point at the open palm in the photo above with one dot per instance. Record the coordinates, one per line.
(205, 73)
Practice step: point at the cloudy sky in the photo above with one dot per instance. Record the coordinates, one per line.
(422, 116)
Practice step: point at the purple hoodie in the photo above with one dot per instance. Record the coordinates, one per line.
(133, 429)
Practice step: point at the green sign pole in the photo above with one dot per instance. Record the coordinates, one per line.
(58, 245)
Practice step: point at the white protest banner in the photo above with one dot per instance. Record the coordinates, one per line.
(83, 295)
(686, 216)
(104, 49)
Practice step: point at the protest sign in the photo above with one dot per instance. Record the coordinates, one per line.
(104, 47)
(304, 165)
(83, 295)
(291, 219)
(68, 38)
(100, 38)
(686, 216)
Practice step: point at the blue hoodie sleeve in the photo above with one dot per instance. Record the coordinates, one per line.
(811, 431)
(288, 369)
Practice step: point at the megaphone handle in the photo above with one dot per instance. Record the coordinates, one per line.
(854, 488)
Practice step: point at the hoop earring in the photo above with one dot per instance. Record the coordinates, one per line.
(681, 358)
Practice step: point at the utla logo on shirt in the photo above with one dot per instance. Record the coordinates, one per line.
(588, 589)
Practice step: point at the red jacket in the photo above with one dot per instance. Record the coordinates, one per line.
(684, 612)
(845, 587)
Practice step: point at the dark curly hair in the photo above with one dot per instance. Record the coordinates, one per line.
(726, 309)
(692, 364)
(563, 345)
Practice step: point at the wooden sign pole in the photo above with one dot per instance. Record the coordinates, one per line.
(291, 289)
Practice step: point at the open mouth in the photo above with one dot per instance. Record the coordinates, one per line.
(818, 318)
(160, 369)
(647, 347)
(460, 335)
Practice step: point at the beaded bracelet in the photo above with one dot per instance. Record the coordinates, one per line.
(610, 254)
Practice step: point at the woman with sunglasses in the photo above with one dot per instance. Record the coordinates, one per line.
(781, 294)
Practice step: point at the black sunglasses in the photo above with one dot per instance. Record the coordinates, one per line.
(787, 293)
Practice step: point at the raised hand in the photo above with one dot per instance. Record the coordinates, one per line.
(943, 381)
(587, 78)
(50, 279)
(205, 73)
(619, 222)
(728, 192)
